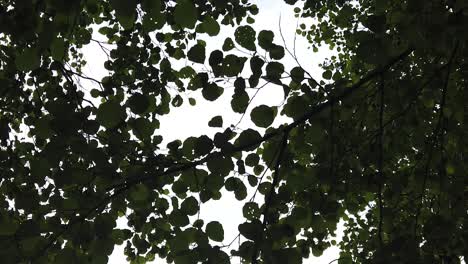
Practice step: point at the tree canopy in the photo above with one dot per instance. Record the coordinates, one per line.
(379, 141)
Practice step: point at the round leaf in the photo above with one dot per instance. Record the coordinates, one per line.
(215, 231)
(138, 103)
(110, 114)
(245, 36)
(185, 13)
(197, 54)
(263, 116)
(216, 121)
(212, 91)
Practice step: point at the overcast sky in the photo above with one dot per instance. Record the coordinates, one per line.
(192, 120)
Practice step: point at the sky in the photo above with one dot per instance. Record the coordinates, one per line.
(187, 120)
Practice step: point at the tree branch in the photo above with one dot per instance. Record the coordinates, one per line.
(380, 162)
(128, 183)
(270, 194)
(312, 112)
(434, 137)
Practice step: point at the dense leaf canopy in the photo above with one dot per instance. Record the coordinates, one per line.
(379, 141)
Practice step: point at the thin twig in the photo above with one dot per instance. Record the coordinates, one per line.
(84, 77)
(293, 55)
(250, 101)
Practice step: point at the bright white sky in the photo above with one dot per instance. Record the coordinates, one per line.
(189, 120)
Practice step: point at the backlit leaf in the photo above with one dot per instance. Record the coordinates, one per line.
(263, 115)
(215, 231)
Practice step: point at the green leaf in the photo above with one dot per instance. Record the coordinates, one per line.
(287, 255)
(178, 218)
(265, 39)
(274, 70)
(216, 121)
(216, 58)
(256, 64)
(254, 81)
(276, 52)
(197, 54)
(295, 106)
(228, 44)
(252, 231)
(57, 49)
(218, 256)
(345, 258)
(125, 11)
(192, 101)
(327, 75)
(138, 103)
(245, 36)
(233, 65)
(8, 226)
(185, 14)
(110, 114)
(203, 146)
(154, 18)
(43, 128)
(190, 206)
(139, 192)
(220, 164)
(64, 256)
(215, 231)
(249, 139)
(142, 128)
(105, 223)
(240, 166)
(212, 92)
(239, 84)
(179, 188)
(240, 102)
(235, 185)
(251, 211)
(31, 245)
(252, 159)
(28, 60)
(253, 181)
(177, 101)
(263, 115)
(210, 26)
(153, 7)
(297, 74)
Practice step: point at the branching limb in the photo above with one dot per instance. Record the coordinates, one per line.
(380, 162)
(433, 139)
(120, 188)
(269, 197)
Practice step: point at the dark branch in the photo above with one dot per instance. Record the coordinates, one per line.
(270, 194)
(433, 139)
(128, 183)
(380, 162)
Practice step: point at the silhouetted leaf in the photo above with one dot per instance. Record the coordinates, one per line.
(263, 115)
(245, 36)
(265, 39)
(212, 91)
(185, 13)
(215, 231)
(216, 121)
(27, 60)
(110, 114)
(197, 54)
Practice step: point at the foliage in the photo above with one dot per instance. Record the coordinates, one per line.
(380, 142)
